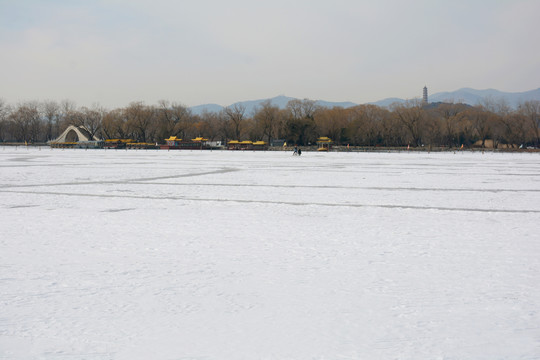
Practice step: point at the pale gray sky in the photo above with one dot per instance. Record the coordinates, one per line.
(212, 51)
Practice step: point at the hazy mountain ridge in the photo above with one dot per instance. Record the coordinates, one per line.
(474, 97)
(464, 95)
(280, 101)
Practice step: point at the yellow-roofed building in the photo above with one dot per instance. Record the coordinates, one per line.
(324, 143)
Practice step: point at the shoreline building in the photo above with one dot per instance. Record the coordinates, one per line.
(425, 95)
(76, 137)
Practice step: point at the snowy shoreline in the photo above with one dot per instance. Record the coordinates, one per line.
(305, 149)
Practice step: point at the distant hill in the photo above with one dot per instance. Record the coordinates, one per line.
(331, 104)
(199, 109)
(475, 97)
(465, 95)
(252, 105)
(387, 102)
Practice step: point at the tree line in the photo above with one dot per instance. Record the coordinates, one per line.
(301, 122)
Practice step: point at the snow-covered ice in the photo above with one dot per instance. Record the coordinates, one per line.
(262, 255)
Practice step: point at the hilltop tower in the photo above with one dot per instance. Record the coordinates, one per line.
(424, 95)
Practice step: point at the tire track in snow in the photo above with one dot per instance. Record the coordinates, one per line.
(343, 187)
(146, 181)
(127, 181)
(270, 202)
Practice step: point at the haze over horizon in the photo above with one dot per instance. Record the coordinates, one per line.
(200, 52)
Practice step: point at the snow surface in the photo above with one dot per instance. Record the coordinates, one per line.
(110, 254)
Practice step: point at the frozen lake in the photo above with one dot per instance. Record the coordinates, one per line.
(262, 255)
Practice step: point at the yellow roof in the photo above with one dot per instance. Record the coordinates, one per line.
(120, 140)
(247, 142)
(173, 138)
(234, 142)
(199, 139)
(259, 143)
(324, 139)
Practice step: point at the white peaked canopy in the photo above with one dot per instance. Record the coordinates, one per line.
(74, 134)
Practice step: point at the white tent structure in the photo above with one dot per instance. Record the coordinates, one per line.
(75, 134)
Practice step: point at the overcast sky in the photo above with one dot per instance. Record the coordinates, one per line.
(113, 52)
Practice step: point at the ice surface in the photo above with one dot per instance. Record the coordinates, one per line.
(261, 255)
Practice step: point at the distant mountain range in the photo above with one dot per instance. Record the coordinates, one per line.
(252, 105)
(474, 97)
(465, 95)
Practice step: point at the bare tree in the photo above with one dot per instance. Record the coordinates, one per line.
(250, 130)
(300, 123)
(91, 119)
(166, 122)
(450, 114)
(514, 129)
(267, 119)
(531, 110)
(410, 114)
(209, 125)
(52, 117)
(497, 106)
(114, 125)
(301, 109)
(364, 127)
(141, 118)
(174, 119)
(431, 129)
(182, 118)
(393, 132)
(332, 123)
(69, 114)
(203, 126)
(235, 115)
(4, 114)
(482, 122)
(26, 121)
